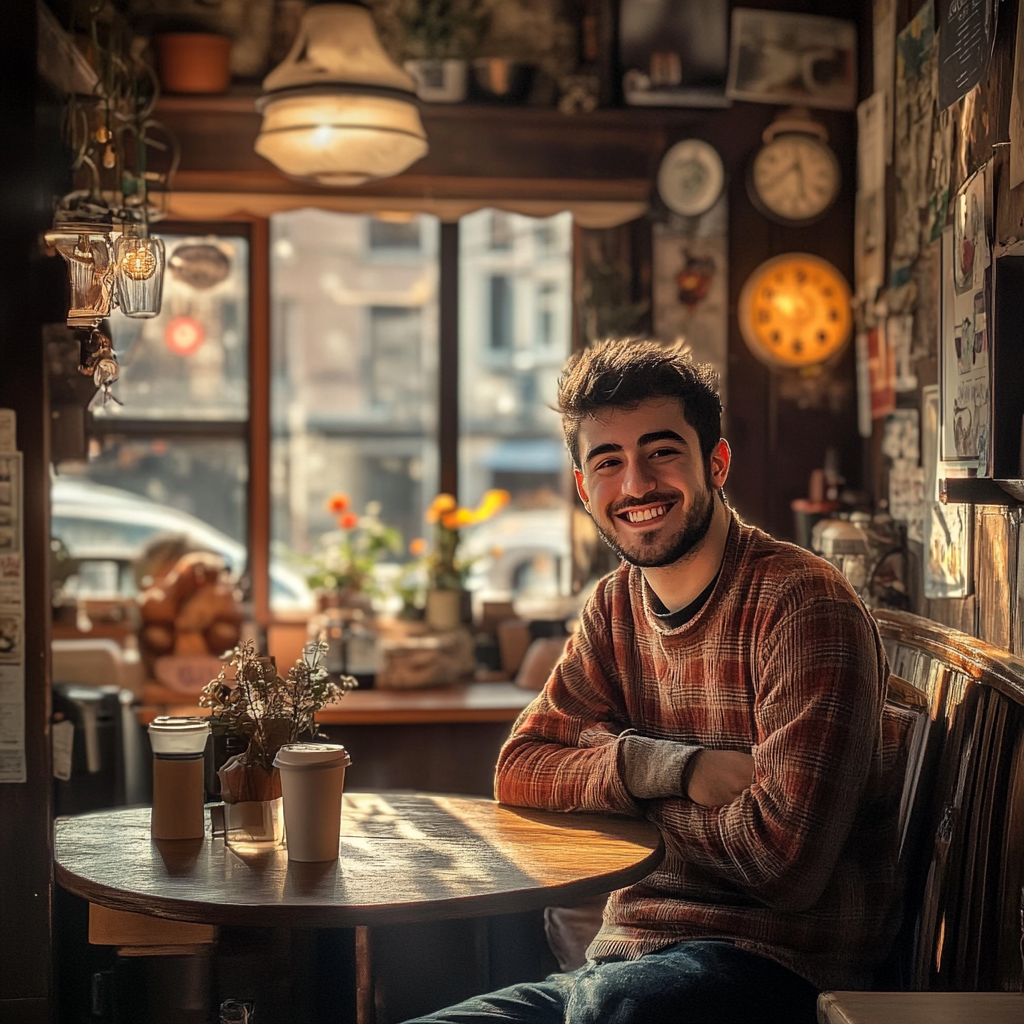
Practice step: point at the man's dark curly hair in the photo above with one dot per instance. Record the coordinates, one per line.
(620, 374)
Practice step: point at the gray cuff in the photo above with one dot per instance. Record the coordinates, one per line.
(655, 768)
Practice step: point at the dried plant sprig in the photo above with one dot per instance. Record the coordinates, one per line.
(270, 710)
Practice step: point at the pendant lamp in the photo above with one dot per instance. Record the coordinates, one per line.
(338, 110)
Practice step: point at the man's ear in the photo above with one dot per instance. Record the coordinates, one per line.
(719, 462)
(581, 489)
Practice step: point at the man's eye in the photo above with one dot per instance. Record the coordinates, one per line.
(606, 464)
(664, 451)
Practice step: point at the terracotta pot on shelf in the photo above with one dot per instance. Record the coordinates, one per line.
(194, 62)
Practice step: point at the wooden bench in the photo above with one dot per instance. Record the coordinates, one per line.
(964, 808)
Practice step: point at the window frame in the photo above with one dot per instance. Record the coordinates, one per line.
(257, 429)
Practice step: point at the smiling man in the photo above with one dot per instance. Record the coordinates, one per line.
(729, 687)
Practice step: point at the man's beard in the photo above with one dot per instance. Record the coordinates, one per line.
(650, 554)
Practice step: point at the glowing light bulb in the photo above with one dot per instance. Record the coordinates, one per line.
(138, 262)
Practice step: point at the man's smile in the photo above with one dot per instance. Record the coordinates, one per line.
(650, 514)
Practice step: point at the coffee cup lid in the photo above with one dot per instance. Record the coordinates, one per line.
(310, 755)
(179, 726)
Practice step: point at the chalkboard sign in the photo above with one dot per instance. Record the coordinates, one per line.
(967, 32)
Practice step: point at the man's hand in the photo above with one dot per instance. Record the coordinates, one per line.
(719, 777)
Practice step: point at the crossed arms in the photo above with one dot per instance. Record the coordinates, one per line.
(772, 823)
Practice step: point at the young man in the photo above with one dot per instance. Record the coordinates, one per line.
(728, 687)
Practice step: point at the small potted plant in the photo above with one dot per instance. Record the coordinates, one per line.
(446, 571)
(342, 571)
(250, 699)
(439, 36)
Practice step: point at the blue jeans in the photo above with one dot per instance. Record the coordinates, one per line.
(689, 983)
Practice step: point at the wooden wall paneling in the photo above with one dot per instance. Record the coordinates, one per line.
(26, 188)
(1017, 598)
(1010, 898)
(995, 570)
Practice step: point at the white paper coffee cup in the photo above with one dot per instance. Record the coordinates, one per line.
(312, 782)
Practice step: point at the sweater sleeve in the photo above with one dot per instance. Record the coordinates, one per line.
(566, 749)
(817, 712)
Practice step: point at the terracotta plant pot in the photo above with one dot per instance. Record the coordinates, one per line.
(194, 62)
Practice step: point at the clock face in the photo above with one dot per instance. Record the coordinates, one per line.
(691, 177)
(795, 312)
(794, 178)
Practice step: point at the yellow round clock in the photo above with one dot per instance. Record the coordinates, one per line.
(794, 311)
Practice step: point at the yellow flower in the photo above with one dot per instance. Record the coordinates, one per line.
(491, 504)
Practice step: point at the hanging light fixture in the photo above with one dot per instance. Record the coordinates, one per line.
(338, 110)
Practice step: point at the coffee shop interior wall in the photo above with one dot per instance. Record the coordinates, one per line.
(994, 607)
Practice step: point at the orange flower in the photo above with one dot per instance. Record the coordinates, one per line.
(417, 547)
(439, 506)
(337, 503)
(348, 520)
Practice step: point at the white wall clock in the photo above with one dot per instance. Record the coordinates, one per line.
(691, 177)
(794, 177)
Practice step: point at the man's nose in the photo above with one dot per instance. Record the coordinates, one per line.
(638, 478)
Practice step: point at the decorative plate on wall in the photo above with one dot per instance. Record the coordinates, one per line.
(691, 177)
(794, 311)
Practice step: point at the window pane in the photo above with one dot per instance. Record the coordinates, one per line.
(133, 492)
(192, 361)
(354, 341)
(515, 295)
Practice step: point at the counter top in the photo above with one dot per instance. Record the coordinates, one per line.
(471, 702)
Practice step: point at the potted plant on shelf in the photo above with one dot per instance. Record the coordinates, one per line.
(446, 572)
(342, 571)
(249, 698)
(439, 36)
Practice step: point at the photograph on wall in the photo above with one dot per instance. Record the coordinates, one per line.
(674, 52)
(947, 528)
(691, 286)
(965, 408)
(793, 58)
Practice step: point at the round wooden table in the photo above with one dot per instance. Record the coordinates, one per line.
(404, 857)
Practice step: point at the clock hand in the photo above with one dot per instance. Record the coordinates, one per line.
(771, 182)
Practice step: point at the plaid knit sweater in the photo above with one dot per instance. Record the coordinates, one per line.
(782, 661)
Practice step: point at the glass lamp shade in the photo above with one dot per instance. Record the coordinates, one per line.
(86, 250)
(338, 110)
(341, 139)
(140, 274)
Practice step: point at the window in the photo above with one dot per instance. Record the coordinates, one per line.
(395, 233)
(354, 350)
(356, 369)
(172, 457)
(509, 435)
(502, 313)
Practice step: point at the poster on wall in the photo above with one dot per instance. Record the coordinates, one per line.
(12, 608)
(779, 57)
(967, 33)
(947, 528)
(964, 366)
(691, 287)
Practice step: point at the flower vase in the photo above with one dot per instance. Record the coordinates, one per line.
(253, 815)
(444, 609)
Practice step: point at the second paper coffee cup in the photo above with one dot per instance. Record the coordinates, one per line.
(312, 783)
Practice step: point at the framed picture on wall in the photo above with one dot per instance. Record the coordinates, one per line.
(965, 409)
(674, 52)
(793, 58)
